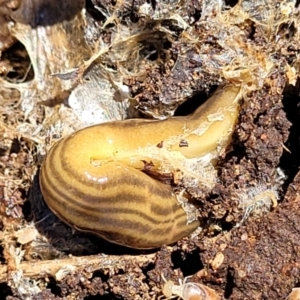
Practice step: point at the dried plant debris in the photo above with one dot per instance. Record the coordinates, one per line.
(66, 66)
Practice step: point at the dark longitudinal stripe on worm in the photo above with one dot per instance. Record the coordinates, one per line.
(105, 225)
(60, 178)
(124, 227)
(64, 198)
(126, 180)
(127, 227)
(157, 209)
(71, 202)
(106, 202)
(106, 212)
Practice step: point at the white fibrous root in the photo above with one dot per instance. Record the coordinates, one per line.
(256, 200)
(189, 291)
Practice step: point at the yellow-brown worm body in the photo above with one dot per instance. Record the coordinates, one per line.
(114, 199)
